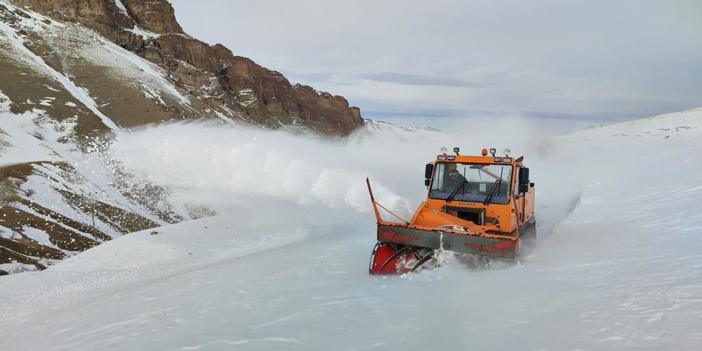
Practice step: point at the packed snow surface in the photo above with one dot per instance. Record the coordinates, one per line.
(283, 265)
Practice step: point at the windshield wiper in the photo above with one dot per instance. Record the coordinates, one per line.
(496, 186)
(491, 194)
(455, 191)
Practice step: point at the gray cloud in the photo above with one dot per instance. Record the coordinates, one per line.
(613, 59)
(416, 79)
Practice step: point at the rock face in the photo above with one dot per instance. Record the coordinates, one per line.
(231, 85)
(103, 16)
(74, 72)
(155, 16)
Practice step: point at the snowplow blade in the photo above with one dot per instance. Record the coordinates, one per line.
(485, 245)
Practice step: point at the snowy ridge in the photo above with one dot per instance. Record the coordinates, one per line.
(666, 125)
(373, 125)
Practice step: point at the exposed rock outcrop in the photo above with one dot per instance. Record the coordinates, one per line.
(155, 16)
(231, 85)
(103, 16)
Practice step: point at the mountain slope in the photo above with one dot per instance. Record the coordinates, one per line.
(73, 75)
(214, 80)
(59, 196)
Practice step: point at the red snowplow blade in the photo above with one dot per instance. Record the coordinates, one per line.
(392, 258)
(501, 246)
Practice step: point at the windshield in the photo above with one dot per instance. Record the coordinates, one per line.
(472, 182)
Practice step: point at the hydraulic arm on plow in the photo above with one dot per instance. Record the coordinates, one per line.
(480, 205)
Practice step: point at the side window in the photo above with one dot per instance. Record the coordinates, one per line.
(438, 179)
(516, 182)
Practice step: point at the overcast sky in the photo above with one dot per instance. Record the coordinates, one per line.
(586, 60)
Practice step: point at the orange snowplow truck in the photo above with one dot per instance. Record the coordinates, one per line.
(480, 205)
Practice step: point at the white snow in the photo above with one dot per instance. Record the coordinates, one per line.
(246, 97)
(122, 8)
(130, 66)
(5, 102)
(47, 101)
(222, 117)
(143, 32)
(32, 137)
(29, 57)
(77, 41)
(246, 161)
(38, 236)
(167, 249)
(31, 20)
(152, 94)
(15, 267)
(284, 265)
(18, 141)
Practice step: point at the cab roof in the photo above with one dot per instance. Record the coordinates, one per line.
(479, 159)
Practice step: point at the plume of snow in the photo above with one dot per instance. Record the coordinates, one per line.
(215, 165)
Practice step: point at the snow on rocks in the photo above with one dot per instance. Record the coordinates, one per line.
(19, 134)
(5, 102)
(127, 65)
(122, 8)
(29, 57)
(143, 32)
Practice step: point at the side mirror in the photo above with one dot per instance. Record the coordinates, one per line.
(523, 180)
(428, 170)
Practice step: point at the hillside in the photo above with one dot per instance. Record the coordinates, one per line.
(140, 67)
(617, 264)
(76, 74)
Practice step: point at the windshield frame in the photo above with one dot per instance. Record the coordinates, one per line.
(494, 200)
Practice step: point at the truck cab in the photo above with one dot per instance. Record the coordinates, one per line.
(477, 205)
(486, 190)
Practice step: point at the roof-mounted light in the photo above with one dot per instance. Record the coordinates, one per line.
(484, 152)
(503, 159)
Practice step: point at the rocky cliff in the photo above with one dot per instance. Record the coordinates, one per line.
(230, 85)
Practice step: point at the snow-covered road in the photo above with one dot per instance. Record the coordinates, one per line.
(618, 266)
